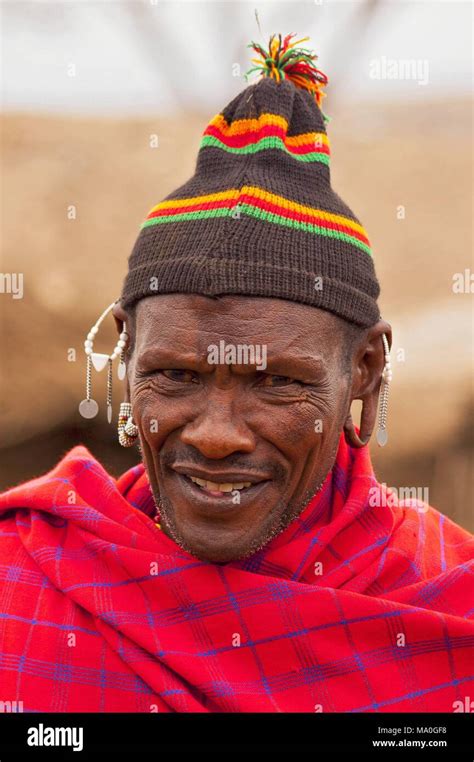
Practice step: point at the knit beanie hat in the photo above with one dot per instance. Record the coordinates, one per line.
(259, 216)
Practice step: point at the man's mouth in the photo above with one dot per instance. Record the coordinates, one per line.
(224, 485)
(217, 489)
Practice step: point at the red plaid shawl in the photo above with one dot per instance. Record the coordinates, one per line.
(354, 607)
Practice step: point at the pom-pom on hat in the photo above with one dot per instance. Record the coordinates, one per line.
(284, 60)
(259, 216)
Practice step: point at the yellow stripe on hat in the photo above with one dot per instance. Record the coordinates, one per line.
(240, 126)
(229, 195)
(307, 137)
(258, 193)
(295, 207)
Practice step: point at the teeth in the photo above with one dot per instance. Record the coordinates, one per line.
(224, 488)
(215, 487)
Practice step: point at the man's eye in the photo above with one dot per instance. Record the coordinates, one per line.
(181, 376)
(271, 381)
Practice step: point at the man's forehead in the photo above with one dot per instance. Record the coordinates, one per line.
(184, 319)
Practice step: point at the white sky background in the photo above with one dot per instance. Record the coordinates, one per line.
(154, 56)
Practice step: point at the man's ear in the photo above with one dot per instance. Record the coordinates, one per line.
(367, 368)
(122, 318)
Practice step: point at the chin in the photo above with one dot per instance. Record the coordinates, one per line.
(216, 544)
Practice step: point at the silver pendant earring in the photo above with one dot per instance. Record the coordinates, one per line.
(382, 435)
(89, 408)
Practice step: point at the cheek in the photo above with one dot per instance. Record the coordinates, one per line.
(306, 422)
(313, 420)
(156, 418)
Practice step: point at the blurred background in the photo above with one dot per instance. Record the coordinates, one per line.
(103, 106)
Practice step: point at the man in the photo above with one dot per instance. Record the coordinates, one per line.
(252, 562)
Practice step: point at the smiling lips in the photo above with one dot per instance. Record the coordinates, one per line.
(215, 487)
(223, 484)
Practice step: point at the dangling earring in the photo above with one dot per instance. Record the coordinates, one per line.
(89, 408)
(382, 436)
(127, 429)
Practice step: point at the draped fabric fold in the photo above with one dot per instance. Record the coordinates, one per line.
(361, 604)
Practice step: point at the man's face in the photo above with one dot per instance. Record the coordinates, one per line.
(235, 451)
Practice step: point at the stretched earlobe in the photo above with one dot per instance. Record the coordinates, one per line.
(367, 422)
(370, 404)
(350, 434)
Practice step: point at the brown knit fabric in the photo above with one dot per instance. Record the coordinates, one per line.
(259, 216)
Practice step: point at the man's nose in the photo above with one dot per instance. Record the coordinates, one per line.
(218, 431)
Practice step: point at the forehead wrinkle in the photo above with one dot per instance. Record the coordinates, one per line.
(203, 321)
(198, 339)
(215, 326)
(246, 309)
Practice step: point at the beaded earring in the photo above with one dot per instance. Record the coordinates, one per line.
(127, 429)
(382, 435)
(89, 408)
